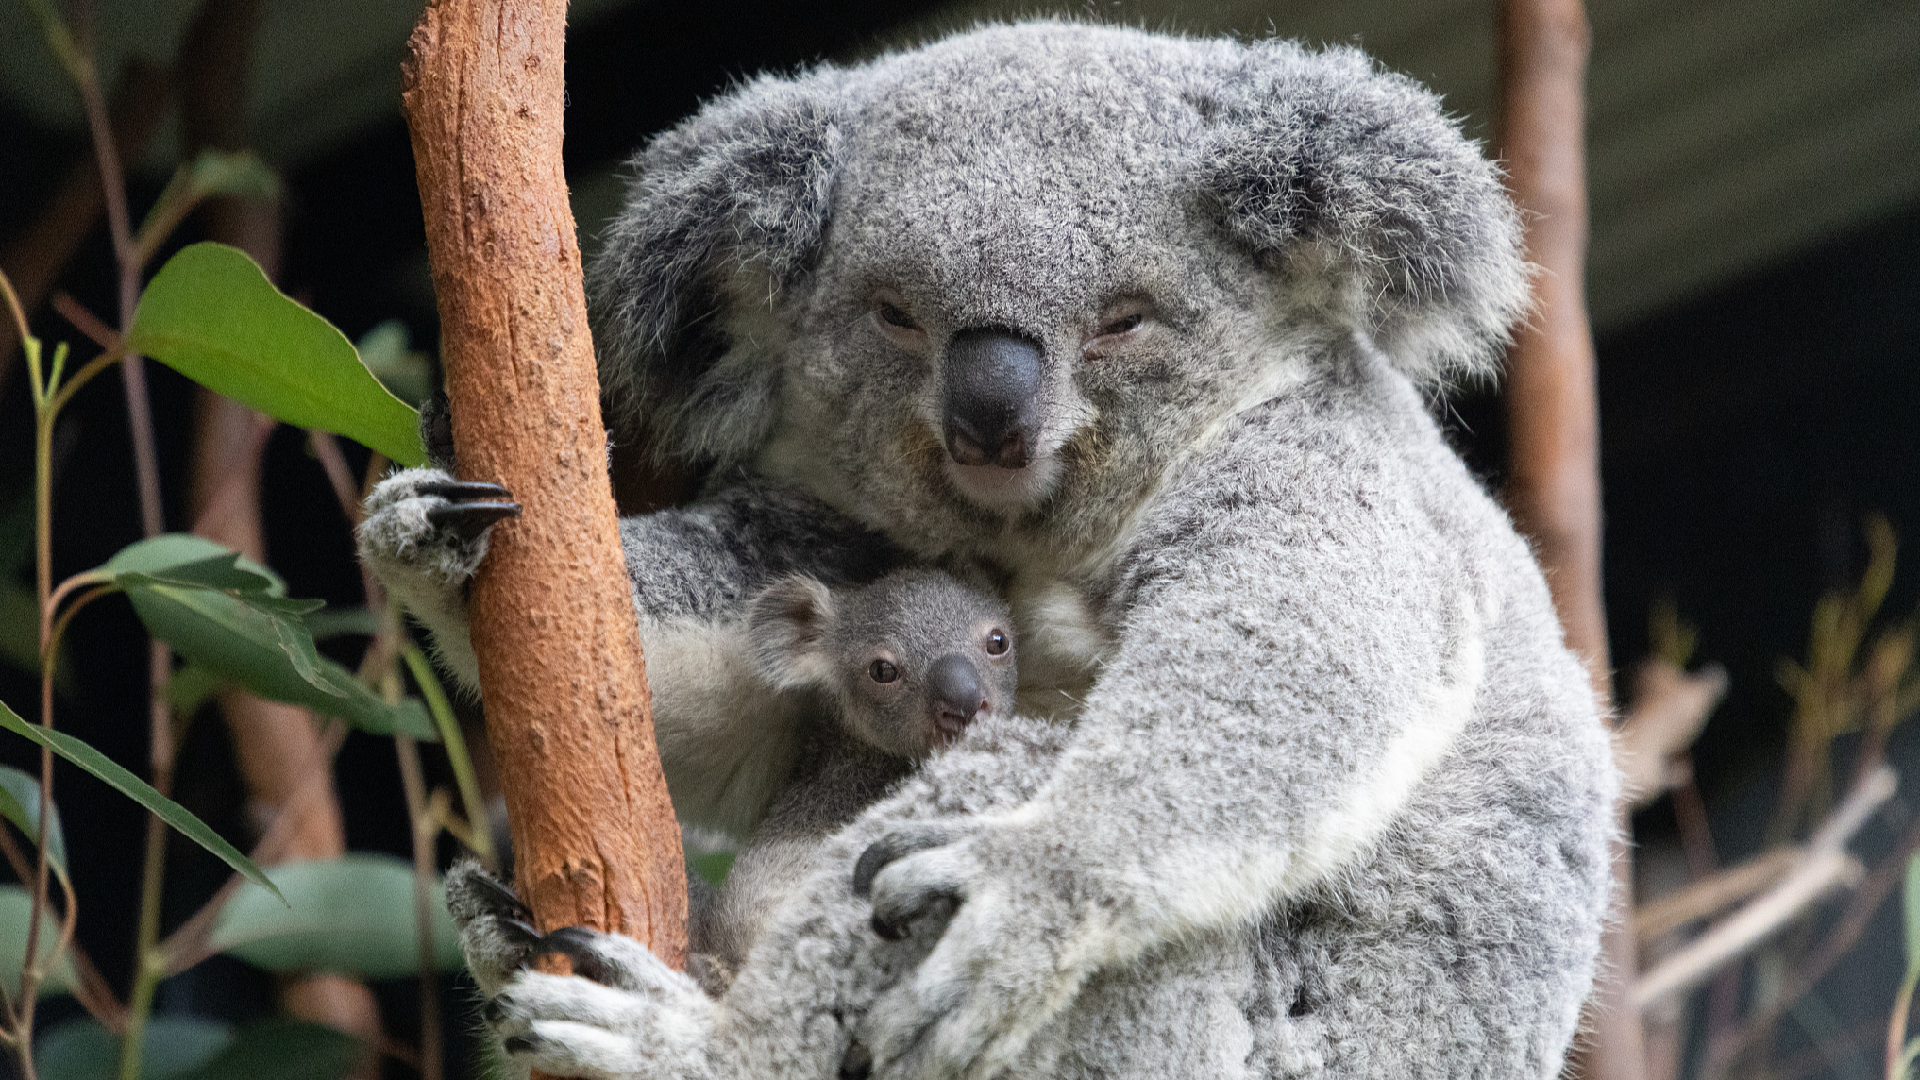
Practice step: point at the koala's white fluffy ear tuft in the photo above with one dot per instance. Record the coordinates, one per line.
(1357, 188)
(787, 625)
(730, 204)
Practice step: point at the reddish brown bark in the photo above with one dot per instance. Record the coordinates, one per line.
(561, 671)
(1553, 488)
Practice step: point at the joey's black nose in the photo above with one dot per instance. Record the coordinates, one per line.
(992, 381)
(958, 696)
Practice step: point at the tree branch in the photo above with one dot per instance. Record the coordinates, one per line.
(552, 618)
(1824, 865)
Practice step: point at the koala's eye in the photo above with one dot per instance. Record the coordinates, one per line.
(882, 672)
(1122, 324)
(893, 315)
(997, 643)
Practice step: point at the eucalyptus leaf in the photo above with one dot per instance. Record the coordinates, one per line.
(222, 172)
(172, 555)
(353, 914)
(283, 1050)
(102, 767)
(232, 618)
(340, 621)
(192, 686)
(384, 349)
(20, 804)
(15, 910)
(211, 315)
(174, 1047)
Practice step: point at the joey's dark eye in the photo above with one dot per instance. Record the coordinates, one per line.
(882, 672)
(1122, 324)
(897, 317)
(997, 642)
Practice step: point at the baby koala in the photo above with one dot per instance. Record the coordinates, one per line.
(894, 671)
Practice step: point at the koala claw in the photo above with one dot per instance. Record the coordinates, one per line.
(909, 894)
(895, 845)
(473, 506)
(577, 944)
(498, 898)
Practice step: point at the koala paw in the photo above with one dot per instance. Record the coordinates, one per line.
(496, 930)
(622, 1015)
(424, 536)
(1009, 957)
(424, 522)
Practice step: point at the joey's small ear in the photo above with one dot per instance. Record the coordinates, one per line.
(723, 216)
(787, 626)
(1365, 197)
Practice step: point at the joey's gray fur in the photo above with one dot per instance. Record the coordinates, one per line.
(945, 660)
(1302, 781)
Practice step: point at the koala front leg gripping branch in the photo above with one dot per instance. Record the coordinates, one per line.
(560, 664)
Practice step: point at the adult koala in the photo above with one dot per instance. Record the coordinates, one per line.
(1142, 324)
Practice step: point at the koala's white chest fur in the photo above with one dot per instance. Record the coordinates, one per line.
(1061, 644)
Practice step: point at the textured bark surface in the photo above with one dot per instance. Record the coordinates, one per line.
(1553, 487)
(561, 672)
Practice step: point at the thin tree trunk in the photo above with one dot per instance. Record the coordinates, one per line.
(1553, 488)
(561, 672)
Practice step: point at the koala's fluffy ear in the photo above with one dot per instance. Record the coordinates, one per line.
(724, 215)
(787, 625)
(1357, 188)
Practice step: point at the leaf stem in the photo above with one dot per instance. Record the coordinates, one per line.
(1897, 1057)
(479, 837)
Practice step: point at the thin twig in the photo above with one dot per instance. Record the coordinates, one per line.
(1825, 864)
(1839, 941)
(1711, 895)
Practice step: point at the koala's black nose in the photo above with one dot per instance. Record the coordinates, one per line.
(992, 377)
(958, 696)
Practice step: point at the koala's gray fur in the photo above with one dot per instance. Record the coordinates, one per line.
(862, 736)
(1304, 781)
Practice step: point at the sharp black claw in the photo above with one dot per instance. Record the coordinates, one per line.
(493, 1012)
(576, 944)
(504, 900)
(463, 489)
(529, 938)
(468, 520)
(886, 850)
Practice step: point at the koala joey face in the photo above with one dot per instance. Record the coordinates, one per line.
(907, 663)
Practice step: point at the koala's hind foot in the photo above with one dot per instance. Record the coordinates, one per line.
(424, 536)
(622, 1015)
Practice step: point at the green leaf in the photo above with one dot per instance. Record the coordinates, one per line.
(284, 1050)
(232, 618)
(20, 804)
(340, 621)
(179, 557)
(211, 315)
(221, 172)
(175, 1046)
(15, 909)
(192, 686)
(400, 369)
(1912, 897)
(136, 789)
(353, 914)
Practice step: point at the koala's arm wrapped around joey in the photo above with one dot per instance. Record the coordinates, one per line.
(1310, 629)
